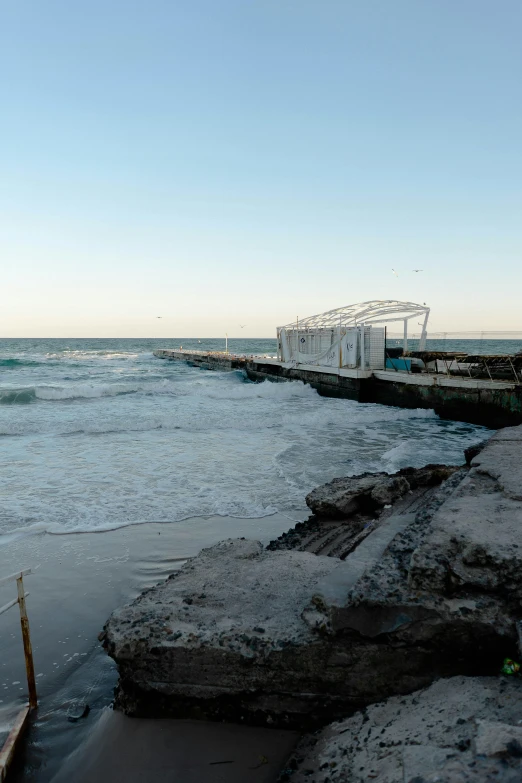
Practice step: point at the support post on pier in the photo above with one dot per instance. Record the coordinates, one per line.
(405, 340)
(340, 343)
(363, 356)
(424, 333)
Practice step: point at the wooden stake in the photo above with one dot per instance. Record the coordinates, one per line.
(28, 650)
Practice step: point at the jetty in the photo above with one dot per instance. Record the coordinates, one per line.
(345, 353)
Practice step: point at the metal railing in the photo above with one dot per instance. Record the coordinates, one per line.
(472, 342)
(8, 750)
(484, 355)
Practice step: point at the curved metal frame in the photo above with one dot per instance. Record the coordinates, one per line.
(373, 312)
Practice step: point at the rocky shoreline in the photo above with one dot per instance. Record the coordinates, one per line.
(404, 588)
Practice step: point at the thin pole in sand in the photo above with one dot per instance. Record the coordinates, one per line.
(28, 649)
(7, 752)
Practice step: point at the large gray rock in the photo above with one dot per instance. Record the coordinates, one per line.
(459, 730)
(474, 542)
(225, 635)
(286, 637)
(345, 498)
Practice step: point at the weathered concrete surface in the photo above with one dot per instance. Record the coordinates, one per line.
(264, 637)
(474, 543)
(459, 730)
(342, 497)
(222, 637)
(491, 407)
(347, 510)
(291, 639)
(370, 492)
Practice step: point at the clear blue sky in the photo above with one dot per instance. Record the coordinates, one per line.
(219, 162)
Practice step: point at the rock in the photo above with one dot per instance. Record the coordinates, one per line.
(339, 537)
(225, 635)
(498, 739)
(473, 451)
(342, 497)
(458, 730)
(264, 637)
(474, 542)
(75, 718)
(431, 588)
(370, 492)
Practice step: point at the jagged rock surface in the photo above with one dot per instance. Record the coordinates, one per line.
(343, 498)
(372, 498)
(289, 638)
(223, 637)
(474, 544)
(459, 730)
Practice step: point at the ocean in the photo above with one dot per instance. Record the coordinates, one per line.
(99, 434)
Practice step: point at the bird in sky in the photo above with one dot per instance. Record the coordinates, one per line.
(242, 326)
(417, 270)
(159, 316)
(394, 272)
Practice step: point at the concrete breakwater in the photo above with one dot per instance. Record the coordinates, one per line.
(492, 403)
(426, 583)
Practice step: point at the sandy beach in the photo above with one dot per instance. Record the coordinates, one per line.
(78, 581)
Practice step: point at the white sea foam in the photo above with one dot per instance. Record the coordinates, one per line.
(94, 444)
(85, 390)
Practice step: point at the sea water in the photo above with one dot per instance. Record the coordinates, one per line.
(99, 434)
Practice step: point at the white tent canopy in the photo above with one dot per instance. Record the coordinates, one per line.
(312, 338)
(373, 312)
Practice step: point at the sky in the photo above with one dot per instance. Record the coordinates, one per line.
(227, 162)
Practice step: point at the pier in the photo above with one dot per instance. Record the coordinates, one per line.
(345, 353)
(492, 402)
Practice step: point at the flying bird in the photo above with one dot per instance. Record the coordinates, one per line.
(394, 272)
(159, 316)
(242, 326)
(417, 270)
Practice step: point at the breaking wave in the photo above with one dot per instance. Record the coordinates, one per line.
(240, 391)
(17, 396)
(79, 391)
(108, 436)
(19, 363)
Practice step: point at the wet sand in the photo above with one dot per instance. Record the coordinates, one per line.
(181, 751)
(78, 580)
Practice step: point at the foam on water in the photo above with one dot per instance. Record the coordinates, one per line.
(108, 436)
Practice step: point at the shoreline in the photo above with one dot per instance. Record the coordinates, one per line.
(23, 533)
(86, 576)
(423, 602)
(77, 581)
